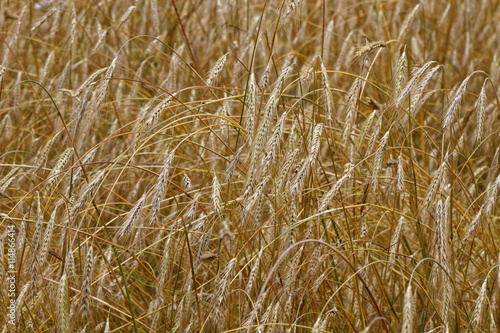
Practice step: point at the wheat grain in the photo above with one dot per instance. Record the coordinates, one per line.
(63, 319)
(406, 26)
(330, 194)
(478, 307)
(87, 283)
(216, 198)
(132, 219)
(480, 106)
(264, 80)
(408, 311)
(379, 157)
(61, 162)
(160, 188)
(126, 15)
(455, 103)
(369, 47)
(216, 69)
(351, 109)
(221, 290)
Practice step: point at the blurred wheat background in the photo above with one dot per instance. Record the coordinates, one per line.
(251, 166)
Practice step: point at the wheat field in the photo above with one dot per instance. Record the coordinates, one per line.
(249, 166)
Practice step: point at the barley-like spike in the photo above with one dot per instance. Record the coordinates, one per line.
(216, 69)
(369, 47)
(400, 175)
(158, 110)
(285, 168)
(480, 107)
(165, 262)
(251, 102)
(256, 197)
(478, 307)
(399, 76)
(132, 219)
(447, 298)
(433, 186)
(3, 69)
(216, 198)
(455, 103)
(379, 157)
(80, 110)
(87, 194)
(103, 87)
(364, 129)
(160, 188)
(264, 80)
(61, 162)
(293, 270)
(72, 30)
(328, 95)
(232, 165)
(69, 264)
(186, 182)
(344, 51)
(328, 38)
(317, 282)
(269, 111)
(407, 326)
(273, 142)
(8, 179)
(47, 237)
(178, 315)
(44, 18)
(351, 101)
(100, 42)
(221, 291)
(470, 232)
(485, 210)
(274, 318)
(42, 157)
(87, 283)
(445, 234)
(300, 177)
(313, 265)
(253, 273)
(338, 184)
(314, 143)
(266, 317)
(394, 245)
(417, 73)
(77, 172)
(47, 67)
(63, 298)
(202, 247)
(126, 15)
(292, 221)
(307, 76)
(20, 298)
(408, 23)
